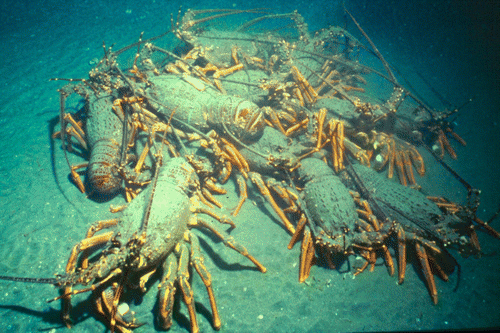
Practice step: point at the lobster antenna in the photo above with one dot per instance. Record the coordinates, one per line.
(379, 55)
(53, 281)
(159, 162)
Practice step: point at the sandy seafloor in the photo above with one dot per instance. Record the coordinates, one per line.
(43, 214)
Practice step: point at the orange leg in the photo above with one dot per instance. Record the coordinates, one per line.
(306, 256)
(197, 262)
(222, 219)
(76, 177)
(142, 158)
(104, 305)
(307, 89)
(456, 136)
(203, 199)
(115, 209)
(224, 72)
(183, 277)
(360, 154)
(340, 144)
(242, 184)
(365, 225)
(373, 260)
(325, 79)
(288, 117)
(401, 255)
(67, 293)
(257, 180)
(429, 276)
(131, 193)
(234, 55)
(284, 193)
(75, 131)
(347, 88)
(114, 307)
(367, 213)
(229, 241)
(392, 156)
(171, 68)
(229, 156)
(210, 184)
(400, 167)
(299, 231)
(83, 245)
(296, 127)
(441, 202)
(388, 260)
(225, 172)
(367, 254)
(408, 167)
(206, 193)
(219, 86)
(321, 120)
(235, 157)
(445, 144)
(362, 268)
(437, 268)
(86, 244)
(417, 160)
(166, 291)
(299, 96)
(275, 120)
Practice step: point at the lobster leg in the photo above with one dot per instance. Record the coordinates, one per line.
(167, 291)
(104, 305)
(242, 185)
(429, 276)
(306, 256)
(228, 241)
(259, 182)
(401, 254)
(187, 292)
(197, 262)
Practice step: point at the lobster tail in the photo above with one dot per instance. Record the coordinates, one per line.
(105, 132)
(102, 170)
